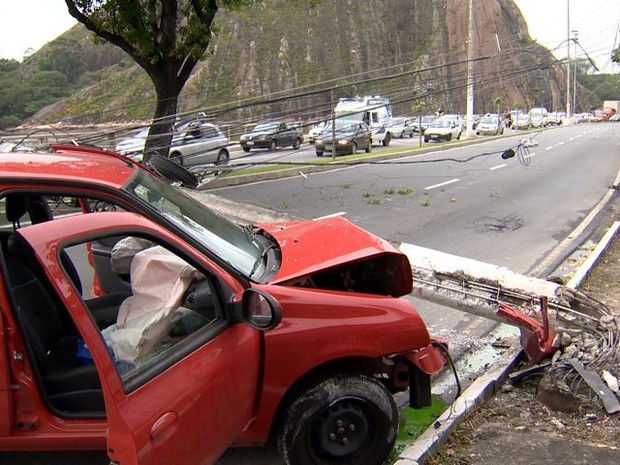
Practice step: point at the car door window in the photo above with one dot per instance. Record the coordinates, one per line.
(171, 308)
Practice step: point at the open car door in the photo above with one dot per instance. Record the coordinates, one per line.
(181, 396)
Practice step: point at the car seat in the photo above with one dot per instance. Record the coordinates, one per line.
(104, 309)
(51, 339)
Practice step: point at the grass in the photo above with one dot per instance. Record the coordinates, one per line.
(413, 423)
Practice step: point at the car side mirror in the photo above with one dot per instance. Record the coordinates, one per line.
(258, 310)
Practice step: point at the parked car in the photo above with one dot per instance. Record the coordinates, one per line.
(422, 123)
(316, 130)
(194, 142)
(271, 135)
(539, 117)
(456, 118)
(401, 127)
(351, 136)
(442, 129)
(133, 317)
(522, 121)
(490, 124)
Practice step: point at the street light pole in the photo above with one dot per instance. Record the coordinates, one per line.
(575, 36)
(568, 107)
(469, 117)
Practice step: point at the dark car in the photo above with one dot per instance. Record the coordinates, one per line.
(271, 135)
(350, 136)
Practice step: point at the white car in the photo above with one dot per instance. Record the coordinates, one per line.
(401, 127)
(442, 129)
(317, 129)
(490, 125)
(194, 142)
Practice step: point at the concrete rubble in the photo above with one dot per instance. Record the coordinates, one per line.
(583, 335)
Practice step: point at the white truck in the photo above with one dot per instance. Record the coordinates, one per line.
(374, 110)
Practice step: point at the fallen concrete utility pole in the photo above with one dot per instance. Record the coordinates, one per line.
(555, 321)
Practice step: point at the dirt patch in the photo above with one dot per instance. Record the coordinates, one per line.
(515, 427)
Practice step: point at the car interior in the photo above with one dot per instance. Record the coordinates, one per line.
(71, 386)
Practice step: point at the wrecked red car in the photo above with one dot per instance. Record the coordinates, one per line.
(136, 320)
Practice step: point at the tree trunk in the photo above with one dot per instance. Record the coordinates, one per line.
(160, 135)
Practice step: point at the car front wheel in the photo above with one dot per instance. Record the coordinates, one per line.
(344, 419)
(387, 139)
(273, 146)
(296, 144)
(368, 149)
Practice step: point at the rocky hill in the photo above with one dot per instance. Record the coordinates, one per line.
(281, 58)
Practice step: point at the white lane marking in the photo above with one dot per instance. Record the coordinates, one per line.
(331, 215)
(493, 168)
(561, 143)
(549, 148)
(442, 184)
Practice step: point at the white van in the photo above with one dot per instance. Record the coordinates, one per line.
(376, 111)
(539, 117)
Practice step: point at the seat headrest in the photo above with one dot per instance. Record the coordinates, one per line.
(16, 207)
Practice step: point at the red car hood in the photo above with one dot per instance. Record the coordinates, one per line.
(335, 254)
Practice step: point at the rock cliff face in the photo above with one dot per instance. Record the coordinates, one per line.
(295, 57)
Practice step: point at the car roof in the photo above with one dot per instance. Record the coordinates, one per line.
(68, 163)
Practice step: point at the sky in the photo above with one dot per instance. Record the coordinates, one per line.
(32, 23)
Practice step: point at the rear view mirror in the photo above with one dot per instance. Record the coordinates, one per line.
(260, 310)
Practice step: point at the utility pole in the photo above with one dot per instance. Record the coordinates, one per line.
(469, 117)
(568, 107)
(575, 36)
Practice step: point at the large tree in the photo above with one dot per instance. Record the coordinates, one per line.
(165, 37)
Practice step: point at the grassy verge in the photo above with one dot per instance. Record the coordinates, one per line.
(413, 423)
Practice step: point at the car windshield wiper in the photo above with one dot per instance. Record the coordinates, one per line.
(261, 258)
(250, 233)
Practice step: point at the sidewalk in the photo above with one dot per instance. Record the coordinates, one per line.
(513, 426)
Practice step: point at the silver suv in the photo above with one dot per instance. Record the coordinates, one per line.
(194, 142)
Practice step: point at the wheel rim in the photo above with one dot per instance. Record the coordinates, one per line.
(343, 429)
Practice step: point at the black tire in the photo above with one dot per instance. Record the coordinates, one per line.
(172, 171)
(246, 149)
(459, 136)
(354, 148)
(319, 153)
(426, 139)
(449, 138)
(344, 419)
(222, 159)
(387, 139)
(402, 135)
(369, 148)
(273, 146)
(296, 144)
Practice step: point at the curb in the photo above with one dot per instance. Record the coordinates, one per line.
(481, 389)
(487, 384)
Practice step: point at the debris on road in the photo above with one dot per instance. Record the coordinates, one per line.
(580, 335)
